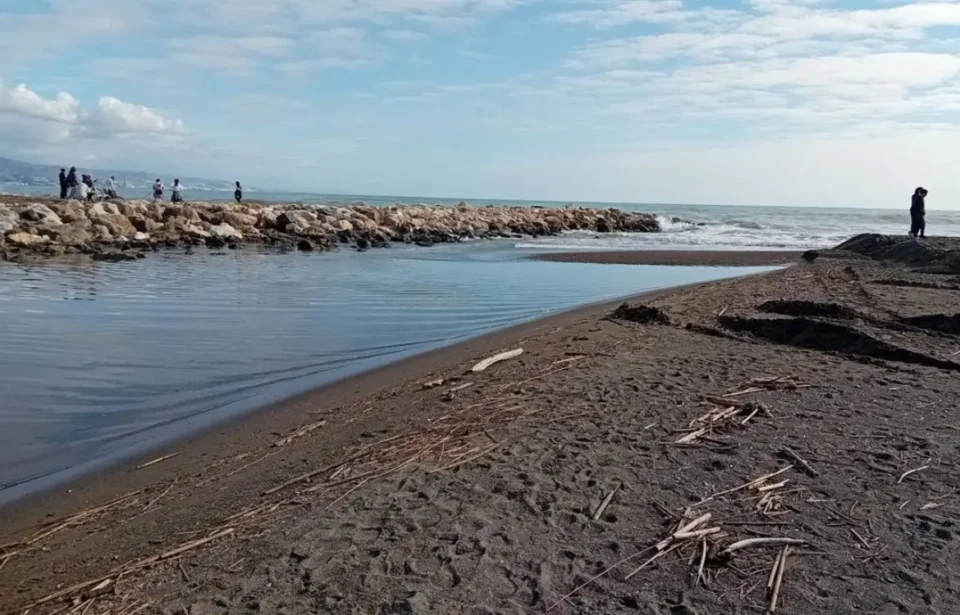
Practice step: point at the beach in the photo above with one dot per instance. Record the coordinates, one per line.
(810, 408)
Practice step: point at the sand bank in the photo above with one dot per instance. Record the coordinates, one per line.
(426, 487)
(703, 258)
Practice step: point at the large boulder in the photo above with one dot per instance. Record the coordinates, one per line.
(185, 213)
(71, 211)
(103, 208)
(295, 218)
(225, 231)
(118, 225)
(73, 234)
(144, 225)
(195, 230)
(240, 220)
(26, 240)
(41, 214)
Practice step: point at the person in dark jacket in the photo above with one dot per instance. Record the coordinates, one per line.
(238, 193)
(72, 182)
(918, 213)
(63, 184)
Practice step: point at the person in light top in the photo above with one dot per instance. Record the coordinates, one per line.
(158, 190)
(176, 192)
(111, 187)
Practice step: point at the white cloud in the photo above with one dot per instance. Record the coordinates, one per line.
(19, 100)
(116, 117)
(33, 122)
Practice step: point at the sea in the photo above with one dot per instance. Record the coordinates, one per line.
(103, 361)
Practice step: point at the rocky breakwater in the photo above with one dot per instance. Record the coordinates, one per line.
(127, 229)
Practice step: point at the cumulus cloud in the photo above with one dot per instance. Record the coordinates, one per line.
(26, 115)
(19, 100)
(117, 117)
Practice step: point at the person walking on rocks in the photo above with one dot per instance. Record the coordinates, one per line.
(158, 190)
(238, 193)
(918, 213)
(63, 184)
(176, 192)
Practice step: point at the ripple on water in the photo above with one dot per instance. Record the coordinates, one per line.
(100, 360)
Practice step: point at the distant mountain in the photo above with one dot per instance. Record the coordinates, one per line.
(28, 174)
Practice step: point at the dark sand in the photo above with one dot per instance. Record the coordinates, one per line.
(481, 500)
(709, 258)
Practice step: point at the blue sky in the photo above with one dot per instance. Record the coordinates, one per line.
(794, 102)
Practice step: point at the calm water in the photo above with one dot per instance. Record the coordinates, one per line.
(101, 360)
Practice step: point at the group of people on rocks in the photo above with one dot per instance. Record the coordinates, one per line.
(83, 189)
(176, 191)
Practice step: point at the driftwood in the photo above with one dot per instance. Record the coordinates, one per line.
(503, 356)
(750, 543)
(789, 452)
(604, 504)
(156, 461)
(913, 471)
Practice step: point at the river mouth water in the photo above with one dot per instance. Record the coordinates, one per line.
(100, 361)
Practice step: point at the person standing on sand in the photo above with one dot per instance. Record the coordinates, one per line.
(63, 184)
(158, 190)
(918, 213)
(176, 192)
(238, 193)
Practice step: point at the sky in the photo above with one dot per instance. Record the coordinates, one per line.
(762, 102)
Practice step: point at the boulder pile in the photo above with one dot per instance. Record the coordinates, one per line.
(47, 227)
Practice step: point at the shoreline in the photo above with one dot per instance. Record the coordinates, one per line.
(317, 505)
(675, 258)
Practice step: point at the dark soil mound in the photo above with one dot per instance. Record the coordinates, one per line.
(829, 336)
(935, 322)
(942, 252)
(808, 308)
(643, 314)
(916, 284)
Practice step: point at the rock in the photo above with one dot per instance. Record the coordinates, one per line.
(811, 255)
(305, 246)
(297, 218)
(73, 234)
(118, 225)
(195, 230)
(25, 240)
(114, 257)
(643, 314)
(225, 231)
(41, 214)
(141, 236)
(363, 243)
(103, 209)
(239, 220)
(416, 604)
(144, 225)
(343, 225)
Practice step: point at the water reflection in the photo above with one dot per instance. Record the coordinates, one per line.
(99, 360)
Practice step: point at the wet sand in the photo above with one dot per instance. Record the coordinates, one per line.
(690, 258)
(491, 492)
